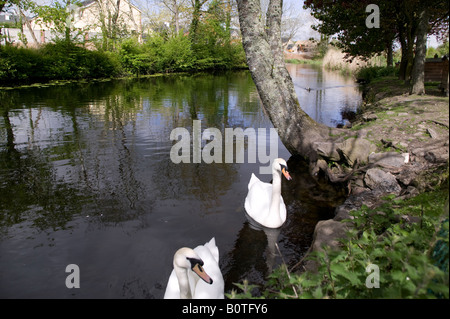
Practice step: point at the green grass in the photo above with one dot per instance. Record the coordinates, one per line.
(305, 61)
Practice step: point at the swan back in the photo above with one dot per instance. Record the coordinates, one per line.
(253, 180)
(209, 253)
(212, 247)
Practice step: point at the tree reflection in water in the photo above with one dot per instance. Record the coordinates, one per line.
(86, 178)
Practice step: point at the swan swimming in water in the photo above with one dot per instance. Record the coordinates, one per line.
(191, 265)
(264, 203)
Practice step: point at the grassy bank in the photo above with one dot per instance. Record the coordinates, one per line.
(336, 60)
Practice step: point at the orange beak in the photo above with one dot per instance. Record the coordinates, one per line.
(202, 274)
(286, 174)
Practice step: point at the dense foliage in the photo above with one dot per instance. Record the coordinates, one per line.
(367, 74)
(440, 51)
(66, 60)
(398, 23)
(160, 54)
(59, 61)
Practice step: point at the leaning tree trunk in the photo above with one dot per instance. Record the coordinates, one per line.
(418, 71)
(263, 48)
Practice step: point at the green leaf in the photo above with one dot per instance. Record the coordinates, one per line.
(317, 293)
(398, 275)
(340, 270)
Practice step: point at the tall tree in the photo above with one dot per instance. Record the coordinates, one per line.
(418, 70)
(111, 22)
(407, 21)
(290, 22)
(176, 7)
(346, 20)
(196, 15)
(263, 48)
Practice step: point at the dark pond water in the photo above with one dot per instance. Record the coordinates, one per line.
(86, 179)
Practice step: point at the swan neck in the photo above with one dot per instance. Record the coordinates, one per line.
(183, 282)
(274, 210)
(276, 184)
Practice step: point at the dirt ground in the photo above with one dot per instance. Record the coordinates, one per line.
(391, 123)
(396, 121)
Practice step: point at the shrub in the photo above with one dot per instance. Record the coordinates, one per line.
(134, 59)
(157, 55)
(177, 54)
(19, 64)
(65, 60)
(54, 61)
(368, 74)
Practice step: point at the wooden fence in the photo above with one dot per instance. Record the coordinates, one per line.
(436, 70)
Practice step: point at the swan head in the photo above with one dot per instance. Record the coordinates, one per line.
(187, 258)
(280, 166)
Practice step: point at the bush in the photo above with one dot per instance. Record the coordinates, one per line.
(156, 55)
(134, 59)
(66, 61)
(69, 61)
(368, 74)
(176, 54)
(19, 64)
(54, 61)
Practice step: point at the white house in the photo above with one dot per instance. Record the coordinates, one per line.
(92, 16)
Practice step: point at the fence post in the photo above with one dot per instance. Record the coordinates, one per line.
(444, 79)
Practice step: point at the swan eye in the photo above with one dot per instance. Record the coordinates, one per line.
(283, 166)
(195, 261)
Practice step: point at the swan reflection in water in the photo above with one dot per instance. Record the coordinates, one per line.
(272, 234)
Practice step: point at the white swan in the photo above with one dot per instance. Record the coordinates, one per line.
(188, 267)
(264, 203)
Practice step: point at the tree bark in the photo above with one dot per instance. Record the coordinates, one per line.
(418, 71)
(114, 26)
(197, 5)
(403, 61)
(409, 56)
(389, 55)
(407, 43)
(263, 48)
